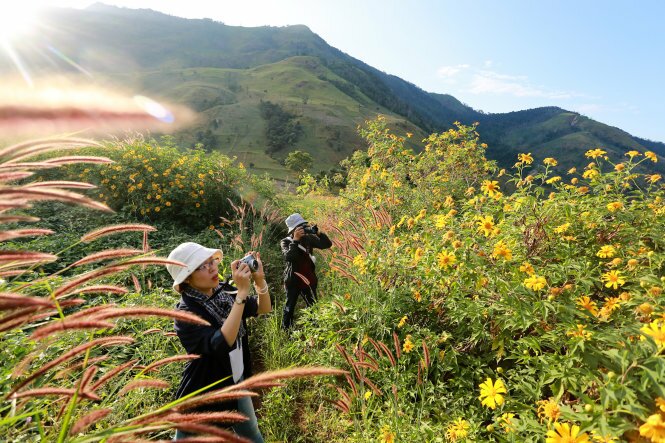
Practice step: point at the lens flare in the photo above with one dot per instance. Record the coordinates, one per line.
(154, 108)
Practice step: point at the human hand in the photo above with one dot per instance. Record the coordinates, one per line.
(298, 233)
(258, 275)
(241, 277)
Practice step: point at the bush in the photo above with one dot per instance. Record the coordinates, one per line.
(152, 181)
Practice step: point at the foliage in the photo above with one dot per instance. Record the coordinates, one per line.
(299, 161)
(464, 313)
(283, 129)
(155, 181)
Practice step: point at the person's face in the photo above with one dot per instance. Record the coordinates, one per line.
(206, 277)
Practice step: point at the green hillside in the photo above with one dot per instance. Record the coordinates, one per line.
(226, 72)
(328, 109)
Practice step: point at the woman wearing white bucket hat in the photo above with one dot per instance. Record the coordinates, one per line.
(223, 346)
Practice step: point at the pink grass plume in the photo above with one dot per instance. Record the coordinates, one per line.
(110, 230)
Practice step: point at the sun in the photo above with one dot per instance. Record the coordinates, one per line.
(17, 18)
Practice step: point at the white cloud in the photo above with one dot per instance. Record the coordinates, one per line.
(489, 82)
(451, 71)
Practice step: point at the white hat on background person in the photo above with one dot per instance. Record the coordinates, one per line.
(192, 255)
(293, 221)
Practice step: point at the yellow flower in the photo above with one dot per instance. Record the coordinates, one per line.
(486, 225)
(417, 296)
(157, 209)
(594, 153)
(660, 402)
(490, 187)
(548, 409)
(651, 156)
(421, 214)
(491, 393)
(198, 205)
(535, 282)
(580, 332)
(445, 259)
(585, 302)
(614, 206)
(591, 173)
(654, 428)
(457, 430)
(564, 433)
(613, 279)
(402, 321)
(506, 421)
(561, 228)
(632, 154)
(408, 345)
(653, 178)
(417, 255)
(572, 170)
(619, 167)
(598, 438)
(368, 394)
(440, 221)
(606, 251)
(527, 268)
(645, 308)
(553, 180)
(549, 161)
(469, 191)
(501, 250)
(526, 159)
(655, 330)
(386, 435)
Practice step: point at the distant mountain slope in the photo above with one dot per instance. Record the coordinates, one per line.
(225, 72)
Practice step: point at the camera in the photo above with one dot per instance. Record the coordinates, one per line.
(251, 261)
(311, 229)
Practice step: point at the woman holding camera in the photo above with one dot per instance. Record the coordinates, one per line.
(300, 273)
(223, 346)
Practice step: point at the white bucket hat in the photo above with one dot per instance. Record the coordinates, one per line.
(293, 221)
(191, 254)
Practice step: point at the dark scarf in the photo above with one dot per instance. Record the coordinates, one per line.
(218, 305)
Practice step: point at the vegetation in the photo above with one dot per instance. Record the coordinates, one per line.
(458, 311)
(153, 181)
(299, 161)
(283, 129)
(464, 313)
(81, 362)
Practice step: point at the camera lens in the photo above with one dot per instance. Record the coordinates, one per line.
(252, 262)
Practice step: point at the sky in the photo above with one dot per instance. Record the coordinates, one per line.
(601, 58)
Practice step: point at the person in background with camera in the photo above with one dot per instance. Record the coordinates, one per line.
(223, 346)
(300, 274)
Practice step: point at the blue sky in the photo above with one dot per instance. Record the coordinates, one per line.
(603, 59)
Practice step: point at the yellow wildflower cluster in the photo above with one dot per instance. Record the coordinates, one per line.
(457, 430)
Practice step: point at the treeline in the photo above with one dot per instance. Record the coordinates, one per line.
(282, 129)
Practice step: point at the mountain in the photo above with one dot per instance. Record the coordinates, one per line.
(262, 92)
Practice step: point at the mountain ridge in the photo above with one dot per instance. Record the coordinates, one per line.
(152, 42)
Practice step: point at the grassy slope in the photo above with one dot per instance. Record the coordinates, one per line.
(231, 97)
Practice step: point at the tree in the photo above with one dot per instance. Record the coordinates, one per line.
(299, 161)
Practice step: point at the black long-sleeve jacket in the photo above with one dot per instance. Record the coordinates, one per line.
(208, 342)
(295, 252)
